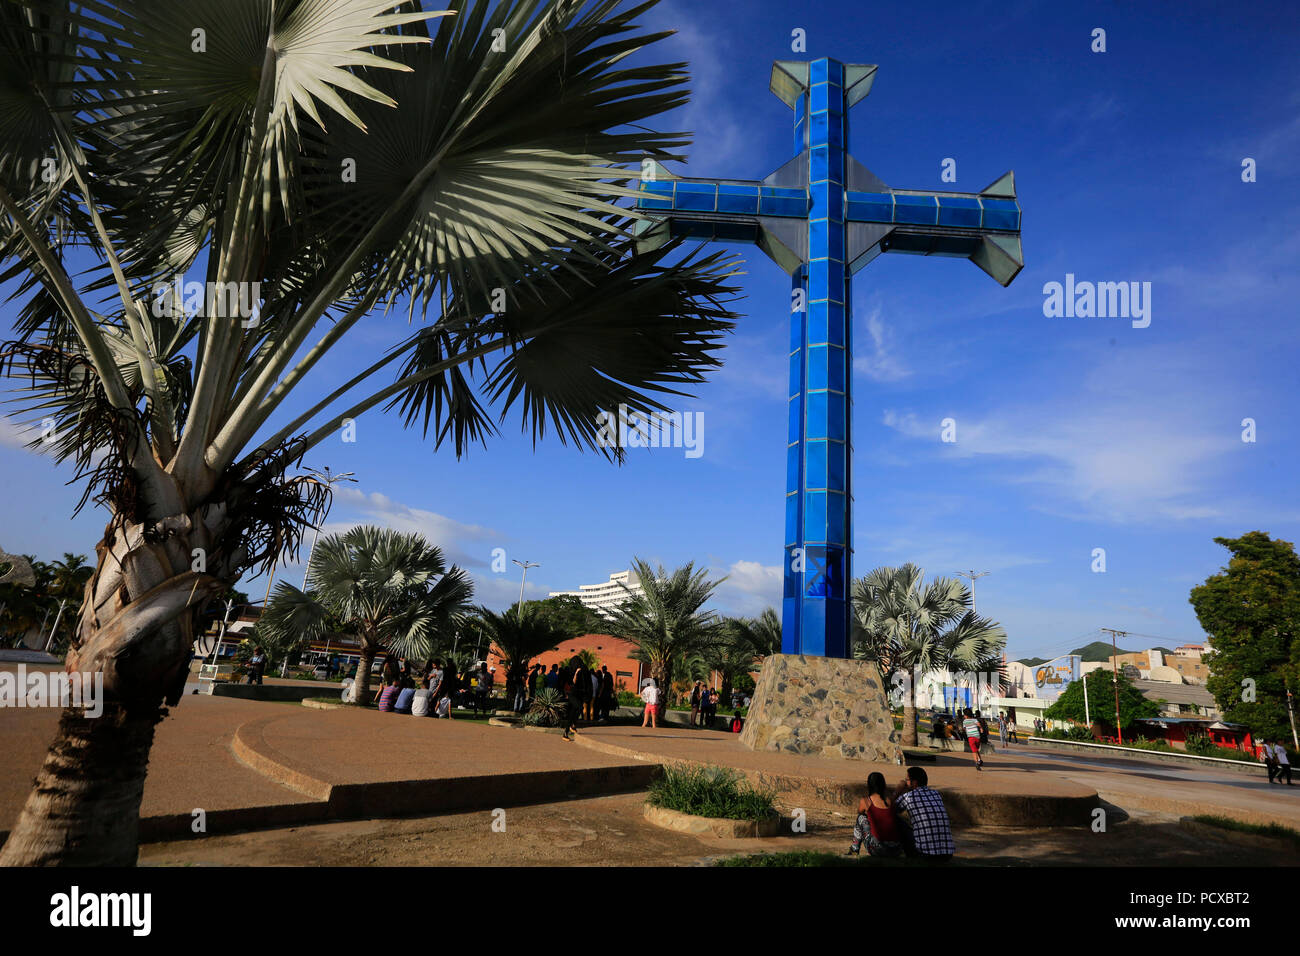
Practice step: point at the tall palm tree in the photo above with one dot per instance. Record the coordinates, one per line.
(665, 619)
(394, 591)
(309, 161)
(910, 627)
(518, 637)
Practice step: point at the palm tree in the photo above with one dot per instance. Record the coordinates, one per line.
(71, 575)
(736, 653)
(310, 161)
(519, 637)
(394, 591)
(907, 626)
(664, 620)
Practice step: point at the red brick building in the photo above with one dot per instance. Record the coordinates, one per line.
(613, 652)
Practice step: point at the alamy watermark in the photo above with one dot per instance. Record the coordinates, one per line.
(52, 689)
(1102, 300)
(241, 300)
(632, 429)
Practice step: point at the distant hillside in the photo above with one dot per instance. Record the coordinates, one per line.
(1096, 651)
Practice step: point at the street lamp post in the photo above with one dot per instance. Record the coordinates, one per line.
(524, 577)
(974, 576)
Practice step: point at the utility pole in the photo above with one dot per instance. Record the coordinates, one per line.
(1290, 712)
(1114, 675)
(329, 480)
(974, 576)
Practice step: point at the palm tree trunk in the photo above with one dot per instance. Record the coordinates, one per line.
(135, 632)
(363, 673)
(85, 808)
(909, 717)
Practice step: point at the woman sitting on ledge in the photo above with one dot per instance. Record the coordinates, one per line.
(877, 826)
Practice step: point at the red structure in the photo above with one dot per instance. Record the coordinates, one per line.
(613, 652)
(1176, 729)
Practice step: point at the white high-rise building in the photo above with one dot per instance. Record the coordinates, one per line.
(603, 598)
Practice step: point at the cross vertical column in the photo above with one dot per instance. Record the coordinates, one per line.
(818, 499)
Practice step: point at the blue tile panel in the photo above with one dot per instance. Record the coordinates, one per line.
(818, 499)
(958, 212)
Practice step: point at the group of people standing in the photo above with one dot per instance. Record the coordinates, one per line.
(588, 691)
(704, 705)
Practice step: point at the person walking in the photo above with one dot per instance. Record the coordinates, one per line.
(573, 680)
(553, 677)
(695, 703)
(650, 695)
(1281, 762)
(971, 727)
(1002, 731)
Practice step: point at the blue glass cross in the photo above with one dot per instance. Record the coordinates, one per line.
(822, 217)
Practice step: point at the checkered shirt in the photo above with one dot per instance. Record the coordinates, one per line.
(931, 830)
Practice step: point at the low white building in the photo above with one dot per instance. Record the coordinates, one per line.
(606, 597)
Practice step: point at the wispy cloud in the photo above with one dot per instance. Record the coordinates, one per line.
(879, 362)
(1138, 440)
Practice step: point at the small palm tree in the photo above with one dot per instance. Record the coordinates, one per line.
(905, 625)
(664, 620)
(518, 637)
(393, 590)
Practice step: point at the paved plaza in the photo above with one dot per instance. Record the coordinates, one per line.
(265, 771)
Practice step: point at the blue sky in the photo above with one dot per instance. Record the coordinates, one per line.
(1072, 433)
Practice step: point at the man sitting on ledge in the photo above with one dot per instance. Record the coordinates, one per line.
(927, 832)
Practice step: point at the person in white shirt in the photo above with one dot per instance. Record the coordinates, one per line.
(420, 702)
(1280, 764)
(650, 694)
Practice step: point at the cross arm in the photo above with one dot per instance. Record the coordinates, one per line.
(771, 214)
(983, 227)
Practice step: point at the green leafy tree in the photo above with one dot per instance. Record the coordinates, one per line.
(393, 590)
(909, 627)
(567, 614)
(1101, 701)
(665, 620)
(518, 638)
(317, 161)
(1251, 611)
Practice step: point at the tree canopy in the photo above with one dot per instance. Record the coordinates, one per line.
(1101, 701)
(1251, 611)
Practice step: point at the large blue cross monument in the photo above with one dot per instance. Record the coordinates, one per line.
(822, 217)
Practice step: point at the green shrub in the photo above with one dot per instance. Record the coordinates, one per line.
(546, 710)
(1202, 745)
(1274, 830)
(710, 792)
(1079, 732)
(628, 699)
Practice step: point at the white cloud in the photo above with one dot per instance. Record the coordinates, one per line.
(1137, 439)
(750, 587)
(880, 364)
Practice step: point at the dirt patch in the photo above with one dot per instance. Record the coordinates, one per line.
(610, 831)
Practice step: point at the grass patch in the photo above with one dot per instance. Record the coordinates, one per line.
(798, 858)
(720, 792)
(792, 858)
(1274, 830)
